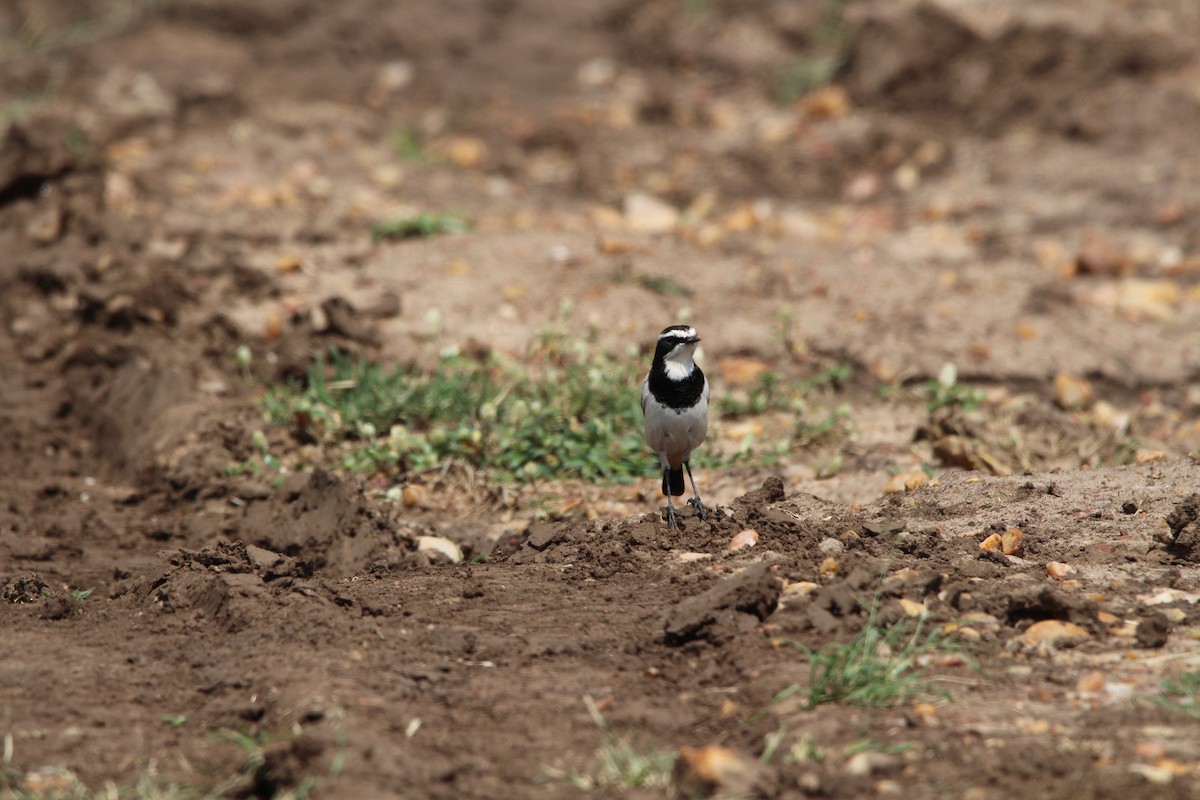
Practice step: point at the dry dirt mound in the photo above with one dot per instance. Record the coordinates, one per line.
(326, 521)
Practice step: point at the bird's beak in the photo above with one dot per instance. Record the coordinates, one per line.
(695, 340)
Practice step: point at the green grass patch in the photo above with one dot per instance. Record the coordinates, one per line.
(565, 411)
(1181, 694)
(945, 391)
(567, 415)
(419, 226)
(620, 763)
(878, 668)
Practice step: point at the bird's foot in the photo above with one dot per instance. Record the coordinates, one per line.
(701, 509)
(672, 518)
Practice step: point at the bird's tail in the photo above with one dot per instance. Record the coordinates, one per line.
(673, 481)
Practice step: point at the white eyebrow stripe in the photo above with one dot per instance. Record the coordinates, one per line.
(676, 333)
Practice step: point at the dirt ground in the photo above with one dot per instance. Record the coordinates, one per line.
(1012, 188)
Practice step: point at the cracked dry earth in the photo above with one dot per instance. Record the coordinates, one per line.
(1012, 190)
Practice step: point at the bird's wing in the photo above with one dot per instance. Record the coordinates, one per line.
(645, 394)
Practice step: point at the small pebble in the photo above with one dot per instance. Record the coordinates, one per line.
(831, 547)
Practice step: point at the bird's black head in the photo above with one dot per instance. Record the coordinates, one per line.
(673, 337)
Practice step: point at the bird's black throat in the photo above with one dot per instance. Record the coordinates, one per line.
(678, 395)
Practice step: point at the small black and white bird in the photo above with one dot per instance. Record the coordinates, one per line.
(675, 405)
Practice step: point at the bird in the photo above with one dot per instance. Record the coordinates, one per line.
(675, 408)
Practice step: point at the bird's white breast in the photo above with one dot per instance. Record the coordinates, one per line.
(679, 370)
(674, 434)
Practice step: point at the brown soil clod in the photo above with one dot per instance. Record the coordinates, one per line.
(28, 588)
(1185, 534)
(1153, 630)
(733, 606)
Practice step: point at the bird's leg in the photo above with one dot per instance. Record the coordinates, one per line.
(696, 503)
(672, 519)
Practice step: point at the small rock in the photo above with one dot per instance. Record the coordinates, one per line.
(831, 547)
(688, 558)
(414, 495)
(924, 713)
(712, 770)
(912, 608)
(888, 788)
(992, 543)
(1106, 415)
(1159, 775)
(905, 481)
(1050, 633)
(596, 72)
(395, 75)
(869, 762)
(47, 224)
(1099, 255)
(647, 214)
(440, 547)
(743, 539)
(800, 588)
(1072, 393)
(1091, 683)
(829, 102)
(466, 152)
(1148, 299)
(1012, 542)
(829, 567)
(1169, 213)
(1057, 569)
(741, 219)
(862, 187)
(613, 246)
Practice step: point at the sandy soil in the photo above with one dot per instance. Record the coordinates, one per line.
(886, 185)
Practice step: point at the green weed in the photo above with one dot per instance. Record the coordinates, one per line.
(621, 764)
(804, 75)
(420, 226)
(877, 668)
(1181, 694)
(263, 463)
(409, 145)
(664, 286)
(945, 391)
